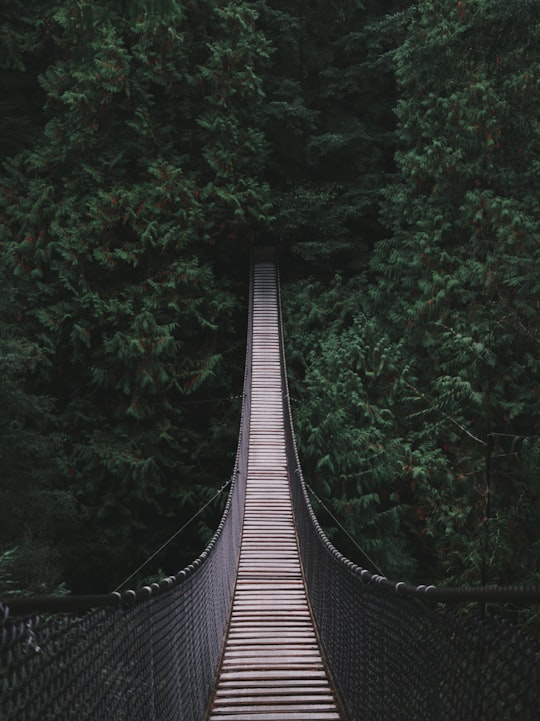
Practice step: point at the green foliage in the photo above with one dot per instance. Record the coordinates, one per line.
(329, 122)
(456, 277)
(144, 181)
(346, 388)
(24, 48)
(137, 175)
(455, 303)
(34, 515)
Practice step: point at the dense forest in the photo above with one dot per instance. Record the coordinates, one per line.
(392, 150)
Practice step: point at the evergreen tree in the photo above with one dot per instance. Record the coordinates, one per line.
(457, 279)
(330, 93)
(145, 179)
(437, 371)
(350, 86)
(24, 48)
(36, 519)
(348, 411)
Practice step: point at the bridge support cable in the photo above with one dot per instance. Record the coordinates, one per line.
(272, 669)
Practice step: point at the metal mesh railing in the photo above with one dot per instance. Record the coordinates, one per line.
(398, 652)
(148, 655)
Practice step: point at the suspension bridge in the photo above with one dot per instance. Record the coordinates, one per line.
(271, 622)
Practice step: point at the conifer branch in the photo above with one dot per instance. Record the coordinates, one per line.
(445, 414)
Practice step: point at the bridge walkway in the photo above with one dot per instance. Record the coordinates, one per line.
(272, 668)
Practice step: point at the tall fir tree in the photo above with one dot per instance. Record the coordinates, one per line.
(348, 410)
(24, 49)
(36, 518)
(437, 369)
(456, 276)
(329, 97)
(146, 176)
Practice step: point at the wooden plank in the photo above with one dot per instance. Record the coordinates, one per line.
(284, 685)
(307, 675)
(275, 697)
(271, 714)
(286, 706)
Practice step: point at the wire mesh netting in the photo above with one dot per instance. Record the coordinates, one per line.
(153, 660)
(398, 658)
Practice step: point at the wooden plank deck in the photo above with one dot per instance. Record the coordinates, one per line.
(272, 669)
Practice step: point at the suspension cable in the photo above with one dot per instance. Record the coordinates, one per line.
(345, 531)
(187, 523)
